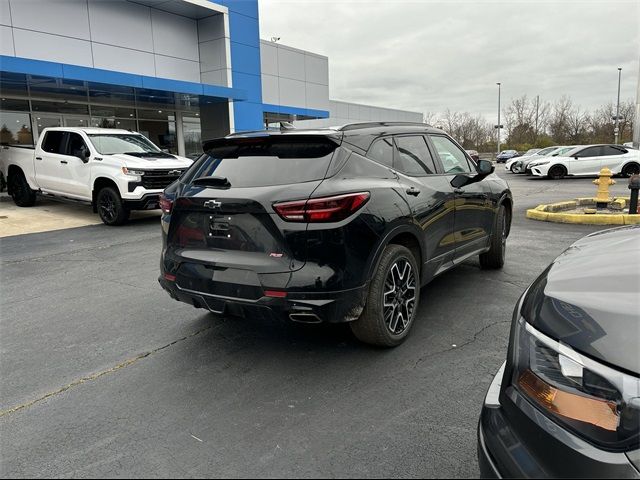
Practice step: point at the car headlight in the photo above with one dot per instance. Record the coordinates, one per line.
(539, 164)
(596, 402)
(134, 173)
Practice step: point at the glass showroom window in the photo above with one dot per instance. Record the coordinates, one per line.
(15, 128)
(192, 136)
(108, 116)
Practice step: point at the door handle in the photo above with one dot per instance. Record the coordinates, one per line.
(458, 190)
(64, 161)
(38, 158)
(413, 191)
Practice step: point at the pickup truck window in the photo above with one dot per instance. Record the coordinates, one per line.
(54, 142)
(113, 144)
(76, 145)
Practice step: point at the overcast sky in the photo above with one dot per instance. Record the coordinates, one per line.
(428, 56)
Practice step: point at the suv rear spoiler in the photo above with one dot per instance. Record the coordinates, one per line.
(284, 145)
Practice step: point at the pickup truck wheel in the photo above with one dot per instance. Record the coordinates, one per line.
(494, 258)
(392, 302)
(111, 207)
(21, 192)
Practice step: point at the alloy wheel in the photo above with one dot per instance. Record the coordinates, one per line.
(399, 297)
(17, 188)
(107, 206)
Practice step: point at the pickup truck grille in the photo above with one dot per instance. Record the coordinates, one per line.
(160, 179)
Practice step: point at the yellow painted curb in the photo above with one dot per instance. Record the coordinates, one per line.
(537, 214)
(541, 213)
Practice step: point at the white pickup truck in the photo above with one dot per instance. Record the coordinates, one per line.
(116, 171)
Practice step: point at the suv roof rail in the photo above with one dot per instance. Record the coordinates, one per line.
(287, 126)
(361, 125)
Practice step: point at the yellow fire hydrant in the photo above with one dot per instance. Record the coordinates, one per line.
(604, 181)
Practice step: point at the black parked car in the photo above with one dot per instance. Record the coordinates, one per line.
(336, 225)
(567, 402)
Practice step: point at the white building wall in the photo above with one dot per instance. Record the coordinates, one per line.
(213, 44)
(296, 78)
(115, 35)
(342, 113)
(293, 77)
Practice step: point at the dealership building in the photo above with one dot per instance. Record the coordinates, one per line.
(179, 71)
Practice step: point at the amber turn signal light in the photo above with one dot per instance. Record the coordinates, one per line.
(600, 413)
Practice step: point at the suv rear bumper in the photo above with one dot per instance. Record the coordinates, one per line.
(302, 307)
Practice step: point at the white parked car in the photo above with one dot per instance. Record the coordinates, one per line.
(518, 164)
(588, 161)
(115, 171)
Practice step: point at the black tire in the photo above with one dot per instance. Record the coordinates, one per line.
(382, 322)
(513, 168)
(110, 207)
(494, 258)
(557, 172)
(630, 169)
(21, 192)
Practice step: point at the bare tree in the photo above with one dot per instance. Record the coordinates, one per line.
(559, 121)
(577, 127)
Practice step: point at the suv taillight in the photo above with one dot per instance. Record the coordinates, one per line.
(324, 209)
(165, 203)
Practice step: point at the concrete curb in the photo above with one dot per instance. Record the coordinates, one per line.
(553, 213)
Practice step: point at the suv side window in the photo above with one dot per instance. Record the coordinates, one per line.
(75, 146)
(54, 142)
(590, 152)
(414, 157)
(382, 151)
(453, 159)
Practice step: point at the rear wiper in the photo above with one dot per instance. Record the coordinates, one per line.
(212, 182)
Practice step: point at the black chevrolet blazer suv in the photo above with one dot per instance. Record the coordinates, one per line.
(334, 225)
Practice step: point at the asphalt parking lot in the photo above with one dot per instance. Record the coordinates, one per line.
(103, 375)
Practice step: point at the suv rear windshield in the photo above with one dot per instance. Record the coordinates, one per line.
(260, 162)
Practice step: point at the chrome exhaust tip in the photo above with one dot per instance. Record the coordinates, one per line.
(305, 317)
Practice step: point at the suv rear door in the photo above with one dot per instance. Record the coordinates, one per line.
(228, 221)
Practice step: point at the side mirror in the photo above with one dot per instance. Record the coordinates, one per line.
(84, 154)
(485, 167)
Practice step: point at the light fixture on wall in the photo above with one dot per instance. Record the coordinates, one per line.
(275, 39)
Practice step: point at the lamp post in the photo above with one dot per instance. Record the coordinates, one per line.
(616, 130)
(498, 126)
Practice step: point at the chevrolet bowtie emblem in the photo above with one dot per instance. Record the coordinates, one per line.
(212, 204)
